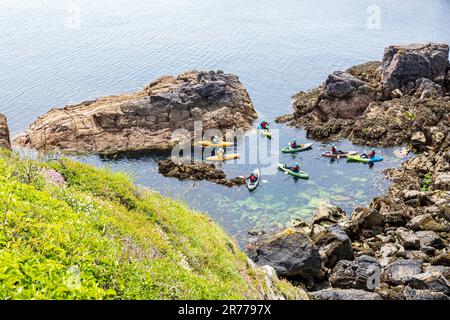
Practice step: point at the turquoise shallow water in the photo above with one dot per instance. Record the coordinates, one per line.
(55, 52)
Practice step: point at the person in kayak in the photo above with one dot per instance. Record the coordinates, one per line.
(264, 125)
(214, 140)
(220, 153)
(335, 151)
(371, 154)
(293, 144)
(295, 168)
(252, 178)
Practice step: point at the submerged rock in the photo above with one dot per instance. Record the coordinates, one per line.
(197, 171)
(145, 120)
(4, 133)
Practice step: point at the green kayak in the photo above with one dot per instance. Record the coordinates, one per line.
(301, 147)
(300, 174)
(358, 158)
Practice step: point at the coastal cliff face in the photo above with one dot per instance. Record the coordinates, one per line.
(4, 133)
(381, 103)
(144, 120)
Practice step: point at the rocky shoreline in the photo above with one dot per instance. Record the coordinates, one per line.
(145, 120)
(402, 99)
(399, 246)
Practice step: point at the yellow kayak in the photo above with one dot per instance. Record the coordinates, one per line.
(230, 156)
(210, 144)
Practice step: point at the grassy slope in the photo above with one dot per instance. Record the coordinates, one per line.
(99, 237)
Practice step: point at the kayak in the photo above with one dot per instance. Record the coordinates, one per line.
(300, 174)
(251, 186)
(302, 147)
(265, 132)
(230, 156)
(210, 144)
(358, 158)
(328, 154)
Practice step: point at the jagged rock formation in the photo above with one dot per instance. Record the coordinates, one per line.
(147, 119)
(4, 133)
(403, 99)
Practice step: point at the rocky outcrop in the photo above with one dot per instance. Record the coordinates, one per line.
(197, 171)
(147, 119)
(403, 99)
(4, 133)
(404, 65)
(344, 97)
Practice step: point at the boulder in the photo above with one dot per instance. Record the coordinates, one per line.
(334, 245)
(367, 218)
(413, 294)
(442, 260)
(425, 222)
(430, 281)
(344, 97)
(401, 271)
(408, 239)
(441, 181)
(445, 271)
(291, 253)
(145, 120)
(328, 214)
(418, 139)
(425, 88)
(4, 133)
(344, 294)
(402, 66)
(430, 239)
(362, 273)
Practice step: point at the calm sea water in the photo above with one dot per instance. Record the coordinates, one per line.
(56, 52)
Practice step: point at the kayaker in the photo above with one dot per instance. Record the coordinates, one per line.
(371, 154)
(220, 153)
(294, 144)
(334, 150)
(296, 167)
(252, 178)
(264, 125)
(214, 140)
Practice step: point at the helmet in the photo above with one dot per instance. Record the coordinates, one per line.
(297, 164)
(373, 149)
(294, 140)
(333, 145)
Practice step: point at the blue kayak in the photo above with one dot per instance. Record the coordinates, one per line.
(358, 158)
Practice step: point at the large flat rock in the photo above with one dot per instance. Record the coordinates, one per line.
(145, 120)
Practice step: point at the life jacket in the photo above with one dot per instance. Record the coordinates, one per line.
(252, 178)
(372, 154)
(334, 150)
